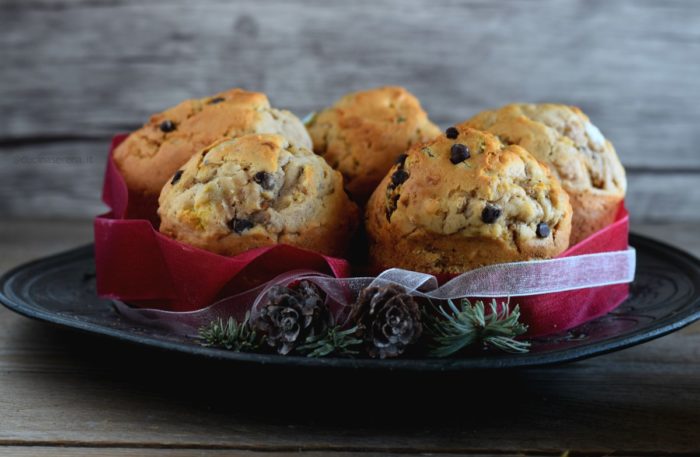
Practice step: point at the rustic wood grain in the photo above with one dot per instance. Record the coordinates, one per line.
(72, 390)
(75, 72)
(39, 451)
(65, 451)
(92, 396)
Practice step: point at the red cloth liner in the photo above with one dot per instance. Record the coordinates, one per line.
(551, 313)
(136, 264)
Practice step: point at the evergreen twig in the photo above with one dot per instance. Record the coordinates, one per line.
(230, 334)
(334, 341)
(467, 324)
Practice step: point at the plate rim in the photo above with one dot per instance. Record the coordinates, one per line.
(491, 361)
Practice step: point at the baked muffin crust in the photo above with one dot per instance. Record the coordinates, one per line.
(362, 134)
(576, 151)
(151, 154)
(456, 203)
(257, 190)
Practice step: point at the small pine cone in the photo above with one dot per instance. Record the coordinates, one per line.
(290, 315)
(388, 320)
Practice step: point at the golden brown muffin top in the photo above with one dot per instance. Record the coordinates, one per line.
(468, 183)
(363, 133)
(151, 154)
(254, 184)
(562, 137)
(192, 117)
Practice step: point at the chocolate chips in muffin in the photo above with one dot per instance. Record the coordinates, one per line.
(176, 177)
(490, 214)
(265, 179)
(399, 177)
(150, 156)
(167, 126)
(542, 230)
(574, 149)
(459, 153)
(240, 225)
(401, 159)
(258, 190)
(449, 218)
(392, 195)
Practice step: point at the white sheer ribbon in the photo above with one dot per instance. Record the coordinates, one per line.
(513, 279)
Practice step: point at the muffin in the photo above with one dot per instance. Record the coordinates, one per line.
(362, 134)
(575, 150)
(257, 190)
(464, 200)
(150, 155)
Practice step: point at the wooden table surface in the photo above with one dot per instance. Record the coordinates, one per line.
(63, 393)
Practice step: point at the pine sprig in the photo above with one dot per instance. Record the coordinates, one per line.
(451, 328)
(334, 341)
(461, 326)
(230, 334)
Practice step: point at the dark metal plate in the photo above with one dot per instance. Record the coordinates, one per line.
(664, 297)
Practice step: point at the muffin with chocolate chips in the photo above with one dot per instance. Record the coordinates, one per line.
(575, 150)
(464, 200)
(149, 157)
(363, 133)
(257, 190)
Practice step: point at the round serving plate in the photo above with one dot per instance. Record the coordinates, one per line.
(664, 297)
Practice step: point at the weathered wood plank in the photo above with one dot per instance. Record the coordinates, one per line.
(23, 240)
(682, 236)
(58, 387)
(74, 72)
(652, 197)
(53, 179)
(65, 451)
(76, 390)
(89, 68)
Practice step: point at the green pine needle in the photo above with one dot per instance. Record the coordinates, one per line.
(230, 334)
(461, 326)
(334, 341)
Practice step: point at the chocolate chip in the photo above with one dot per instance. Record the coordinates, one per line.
(167, 126)
(451, 133)
(239, 225)
(542, 230)
(401, 159)
(399, 177)
(216, 100)
(459, 153)
(176, 177)
(490, 213)
(265, 179)
(391, 206)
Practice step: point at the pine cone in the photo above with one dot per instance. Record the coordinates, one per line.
(289, 316)
(388, 320)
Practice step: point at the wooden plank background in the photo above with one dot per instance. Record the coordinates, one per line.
(75, 72)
